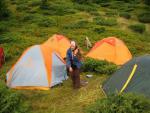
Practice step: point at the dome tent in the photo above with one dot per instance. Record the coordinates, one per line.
(111, 49)
(59, 43)
(39, 67)
(134, 76)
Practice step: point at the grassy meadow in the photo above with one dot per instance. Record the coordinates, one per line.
(32, 22)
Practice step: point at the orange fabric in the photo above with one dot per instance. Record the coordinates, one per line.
(47, 56)
(10, 74)
(59, 43)
(112, 50)
(31, 88)
(110, 40)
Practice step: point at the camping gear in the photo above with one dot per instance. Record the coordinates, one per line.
(59, 43)
(111, 49)
(134, 76)
(39, 67)
(89, 76)
(88, 43)
(2, 57)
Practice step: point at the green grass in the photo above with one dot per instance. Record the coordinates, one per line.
(28, 25)
(64, 99)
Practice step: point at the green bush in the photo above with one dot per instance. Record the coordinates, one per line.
(57, 9)
(94, 13)
(125, 15)
(3, 27)
(35, 3)
(27, 17)
(86, 8)
(100, 30)
(105, 22)
(22, 7)
(4, 12)
(10, 101)
(105, 4)
(47, 22)
(44, 4)
(90, 1)
(140, 28)
(126, 103)
(144, 17)
(98, 66)
(147, 2)
(13, 1)
(77, 25)
(111, 13)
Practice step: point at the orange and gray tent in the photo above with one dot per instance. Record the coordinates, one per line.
(111, 49)
(59, 43)
(39, 67)
(134, 76)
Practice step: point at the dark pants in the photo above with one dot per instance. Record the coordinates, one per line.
(75, 76)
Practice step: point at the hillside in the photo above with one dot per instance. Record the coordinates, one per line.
(32, 22)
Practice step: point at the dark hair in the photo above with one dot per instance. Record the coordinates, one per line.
(79, 53)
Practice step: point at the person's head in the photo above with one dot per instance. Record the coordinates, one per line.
(73, 45)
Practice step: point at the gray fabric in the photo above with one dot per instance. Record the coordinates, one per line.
(140, 83)
(30, 70)
(59, 72)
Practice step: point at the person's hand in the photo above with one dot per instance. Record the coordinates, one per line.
(70, 69)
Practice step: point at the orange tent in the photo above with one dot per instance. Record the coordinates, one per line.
(39, 67)
(112, 50)
(59, 43)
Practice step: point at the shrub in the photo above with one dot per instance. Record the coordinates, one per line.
(47, 22)
(81, 1)
(90, 1)
(138, 28)
(77, 25)
(125, 15)
(3, 28)
(98, 66)
(35, 3)
(4, 12)
(144, 17)
(100, 30)
(22, 7)
(105, 22)
(86, 8)
(105, 4)
(27, 17)
(11, 102)
(94, 13)
(147, 2)
(13, 1)
(111, 13)
(58, 9)
(44, 4)
(126, 103)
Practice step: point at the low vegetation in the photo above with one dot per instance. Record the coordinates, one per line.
(105, 22)
(126, 103)
(98, 66)
(140, 28)
(24, 23)
(144, 17)
(4, 12)
(11, 101)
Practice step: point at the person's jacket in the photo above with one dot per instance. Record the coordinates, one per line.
(72, 60)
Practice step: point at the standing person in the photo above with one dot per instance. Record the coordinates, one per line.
(73, 59)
